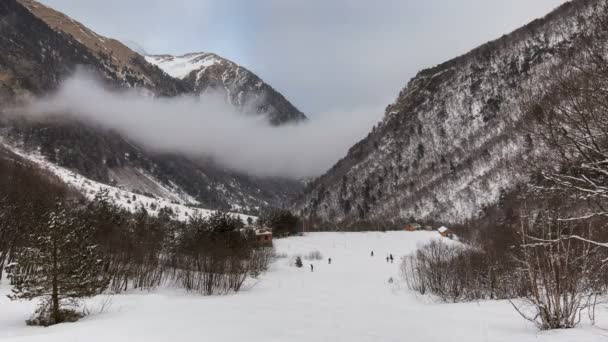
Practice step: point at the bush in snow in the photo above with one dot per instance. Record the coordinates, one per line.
(298, 262)
(314, 255)
(563, 275)
(456, 272)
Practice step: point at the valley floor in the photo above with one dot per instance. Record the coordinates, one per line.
(350, 300)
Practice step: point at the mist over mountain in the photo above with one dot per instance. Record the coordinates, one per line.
(41, 48)
(207, 126)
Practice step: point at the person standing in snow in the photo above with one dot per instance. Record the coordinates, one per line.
(311, 268)
(329, 261)
(372, 253)
(391, 257)
(387, 259)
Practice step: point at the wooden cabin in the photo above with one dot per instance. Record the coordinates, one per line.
(445, 232)
(263, 237)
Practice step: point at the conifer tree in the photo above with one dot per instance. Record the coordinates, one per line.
(60, 265)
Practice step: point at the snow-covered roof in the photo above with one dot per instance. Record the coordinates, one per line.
(443, 229)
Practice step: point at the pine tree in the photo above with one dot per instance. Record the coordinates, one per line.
(299, 263)
(61, 266)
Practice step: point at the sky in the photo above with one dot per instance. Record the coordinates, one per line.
(338, 56)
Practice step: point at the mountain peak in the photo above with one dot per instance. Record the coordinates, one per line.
(243, 89)
(181, 66)
(117, 51)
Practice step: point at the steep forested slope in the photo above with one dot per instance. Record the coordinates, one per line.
(447, 146)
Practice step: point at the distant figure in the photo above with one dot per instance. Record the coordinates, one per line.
(372, 253)
(390, 280)
(329, 261)
(311, 268)
(391, 257)
(387, 259)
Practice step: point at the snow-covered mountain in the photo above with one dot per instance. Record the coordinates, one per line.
(40, 47)
(208, 72)
(181, 66)
(446, 147)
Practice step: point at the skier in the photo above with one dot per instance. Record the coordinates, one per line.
(391, 257)
(372, 253)
(387, 259)
(311, 268)
(329, 261)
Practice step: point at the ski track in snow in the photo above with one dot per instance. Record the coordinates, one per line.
(349, 300)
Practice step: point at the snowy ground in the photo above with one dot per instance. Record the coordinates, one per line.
(349, 300)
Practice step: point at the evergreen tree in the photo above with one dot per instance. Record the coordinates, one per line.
(61, 266)
(299, 263)
(282, 222)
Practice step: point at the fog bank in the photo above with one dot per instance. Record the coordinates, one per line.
(207, 126)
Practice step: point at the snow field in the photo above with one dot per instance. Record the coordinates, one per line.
(350, 300)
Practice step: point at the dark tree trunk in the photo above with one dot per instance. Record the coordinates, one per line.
(55, 293)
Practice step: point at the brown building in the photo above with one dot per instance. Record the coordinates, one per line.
(263, 237)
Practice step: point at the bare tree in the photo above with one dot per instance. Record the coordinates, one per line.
(562, 274)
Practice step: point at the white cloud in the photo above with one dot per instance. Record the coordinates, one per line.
(207, 126)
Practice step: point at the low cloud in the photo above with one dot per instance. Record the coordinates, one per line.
(208, 127)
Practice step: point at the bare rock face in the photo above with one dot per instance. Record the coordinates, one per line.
(446, 147)
(40, 47)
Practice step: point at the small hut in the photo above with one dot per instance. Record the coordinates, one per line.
(445, 232)
(263, 237)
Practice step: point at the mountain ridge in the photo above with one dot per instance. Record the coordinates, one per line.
(208, 72)
(40, 47)
(445, 147)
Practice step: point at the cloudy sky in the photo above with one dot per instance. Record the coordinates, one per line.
(325, 56)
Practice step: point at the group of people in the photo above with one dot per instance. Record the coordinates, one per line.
(389, 258)
(312, 267)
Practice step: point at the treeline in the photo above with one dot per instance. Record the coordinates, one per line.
(57, 246)
(543, 246)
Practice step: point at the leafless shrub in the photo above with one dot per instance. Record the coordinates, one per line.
(562, 274)
(313, 255)
(101, 307)
(456, 272)
(280, 255)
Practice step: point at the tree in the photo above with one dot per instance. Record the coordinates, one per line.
(60, 265)
(563, 275)
(299, 263)
(568, 121)
(282, 222)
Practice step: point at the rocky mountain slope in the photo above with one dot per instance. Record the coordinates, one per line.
(208, 72)
(446, 147)
(40, 47)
